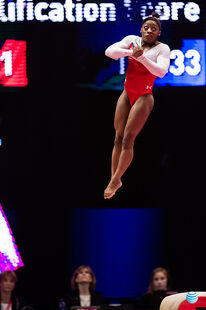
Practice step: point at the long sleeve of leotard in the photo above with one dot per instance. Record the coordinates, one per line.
(122, 49)
(159, 68)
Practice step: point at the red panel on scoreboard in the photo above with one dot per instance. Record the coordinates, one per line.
(201, 303)
(13, 64)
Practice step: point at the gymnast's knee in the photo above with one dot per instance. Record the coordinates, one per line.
(118, 139)
(128, 141)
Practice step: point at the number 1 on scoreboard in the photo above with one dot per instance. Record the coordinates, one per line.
(6, 57)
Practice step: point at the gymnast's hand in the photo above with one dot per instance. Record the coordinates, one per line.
(137, 51)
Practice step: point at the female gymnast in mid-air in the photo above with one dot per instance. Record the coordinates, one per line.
(148, 58)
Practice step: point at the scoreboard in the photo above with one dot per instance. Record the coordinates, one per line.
(13, 63)
(97, 24)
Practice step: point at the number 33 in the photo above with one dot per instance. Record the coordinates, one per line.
(179, 67)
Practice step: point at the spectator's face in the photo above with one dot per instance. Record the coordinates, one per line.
(84, 276)
(7, 285)
(160, 281)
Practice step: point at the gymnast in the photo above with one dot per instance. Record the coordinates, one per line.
(147, 59)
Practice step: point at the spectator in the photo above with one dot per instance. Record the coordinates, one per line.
(8, 299)
(83, 284)
(159, 288)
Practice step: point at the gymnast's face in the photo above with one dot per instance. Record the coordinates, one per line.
(160, 281)
(150, 31)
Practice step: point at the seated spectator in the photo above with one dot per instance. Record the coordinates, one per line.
(8, 300)
(159, 288)
(83, 284)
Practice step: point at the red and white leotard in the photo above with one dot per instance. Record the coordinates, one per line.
(142, 71)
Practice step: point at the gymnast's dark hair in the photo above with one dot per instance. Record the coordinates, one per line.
(155, 17)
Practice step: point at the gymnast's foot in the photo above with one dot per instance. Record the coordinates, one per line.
(111, 189)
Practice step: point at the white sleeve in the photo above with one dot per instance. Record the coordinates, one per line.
(159, 68)
(120, 49)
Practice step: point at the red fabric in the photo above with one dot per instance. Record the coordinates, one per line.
(9, 305)
(139, 80)
(201, 302)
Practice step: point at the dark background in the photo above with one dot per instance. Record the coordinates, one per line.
(56, 157)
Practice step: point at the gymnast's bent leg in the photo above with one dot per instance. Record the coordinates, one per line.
(137, 117)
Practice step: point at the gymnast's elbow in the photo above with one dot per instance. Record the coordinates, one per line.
(162, 73)
(108, 53)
